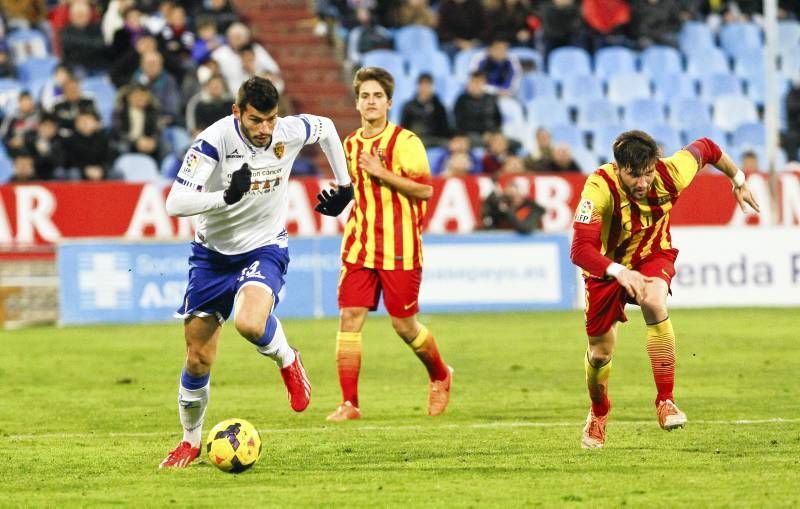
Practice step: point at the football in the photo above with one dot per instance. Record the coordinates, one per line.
(233, 445)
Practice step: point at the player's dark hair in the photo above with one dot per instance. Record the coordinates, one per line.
(258, 92)
(635, 150)
(379, 74)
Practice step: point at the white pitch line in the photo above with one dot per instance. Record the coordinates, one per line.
(409, 427)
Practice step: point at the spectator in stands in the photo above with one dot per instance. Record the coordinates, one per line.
(71, 104)
(88, 147)
(46, 147)
(459, 143)
(655, 22)
(58, 18)
(509, 209)
(542, 150)
(21, 14)
(561, 160)
(24, 170)
(125, 65)
(413, 12)
(222, 12)
(425, 114)
(503, 71)
(53, 89)
(606, 21)
(508, 20)
(750, 162)
(458, 165)
(212, 103)
(7, 69)
(165, 89)
(124, 39)
(135, 122)
(461, 23)
(176, 41)
(252, 67)
(512, 164)
(208, 39)
(15, 125)
(114, 18)
(84, 50)
(791, 137)
(476, 111)
(230, 63)
(561, 25)
(497, 152)
(366, 36)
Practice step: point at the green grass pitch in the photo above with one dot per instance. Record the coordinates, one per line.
(87, 413)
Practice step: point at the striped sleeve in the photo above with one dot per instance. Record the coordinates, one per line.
(412, 158)
(682, 167)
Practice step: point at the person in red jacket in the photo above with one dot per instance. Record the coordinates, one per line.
(622, 242)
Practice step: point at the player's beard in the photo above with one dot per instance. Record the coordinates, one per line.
(263, 142)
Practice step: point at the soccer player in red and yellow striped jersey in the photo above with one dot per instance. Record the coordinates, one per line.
(382, 241)
(622, 242)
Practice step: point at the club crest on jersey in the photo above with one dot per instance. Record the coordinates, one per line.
(585, 210)
(279, 149)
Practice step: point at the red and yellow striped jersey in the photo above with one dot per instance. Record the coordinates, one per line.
(384, 230)
(630, 229)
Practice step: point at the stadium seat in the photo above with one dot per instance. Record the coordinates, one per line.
(9, 93)
(580, 88)
(749, 63)
(697, 131)
(685, 112)
(718, 84)
(781, 159)
(712, 60)
(695, 35)
(534, 85)
(35, 68)
(448, 91)
(603, 137)
(596, 112)
(27, 43)
(730, 111)
(567, 61)
(756, 89)
(546, 112)
(390, 60)
(623, 88)
(659, 60)
(788, 34)
(6, 167)
(672, 86)
(436, 63)
(665, 135)
(169, 167)
(511, 110)
(789, 63)
(413, 40)
(749, 134)
(134, 167)
(462, 62)
(567, 133)
(586, 159)
(643, 112)
(529, 58)
(434, 154)
(734, 38)
(614, 60)
(104, 94)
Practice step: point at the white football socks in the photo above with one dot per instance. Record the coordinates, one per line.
(192, 405)
(278, 348)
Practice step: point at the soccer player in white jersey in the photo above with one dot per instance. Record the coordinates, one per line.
(234, 178)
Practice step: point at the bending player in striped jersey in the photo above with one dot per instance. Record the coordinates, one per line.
(382, 242)
(622, 242)
(234, 178)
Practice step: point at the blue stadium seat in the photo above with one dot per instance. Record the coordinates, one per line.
(104, 94)
(603, 137)
(596, 112)
(685, 112)
(413, 40)
(580, 88)
(697, 131)
(709, 61)
(404, 89)
(667, 136)
(390, 60)
(567, 133)
(749, 134)
(659, 60)
(750, 63)
(9, 92)
(789, 63)
(672, 86)
(761, 155)
(718, 84)
(32, 69)
(613, 60)
(434, 154)
(737, 37)
(730, 111)
(27, 43)
(6, 167)
(695, 35)
(546, 112)
(436, 63)
(134, 167)
(529, 58)
(568, 60)
(789, 34)
(462, 62)
(756, 89)
(511, 110)
(623, 88)
(448, 90)
(643, 112)
(586, 159)
(534, 85)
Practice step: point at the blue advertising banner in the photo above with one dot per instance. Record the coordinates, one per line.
(108, 282)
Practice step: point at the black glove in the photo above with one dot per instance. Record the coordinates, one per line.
(240, 184)
(333, 202)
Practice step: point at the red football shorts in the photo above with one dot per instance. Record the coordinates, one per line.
(361, 287)
(606, 299)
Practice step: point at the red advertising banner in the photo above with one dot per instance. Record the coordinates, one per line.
(44, 213)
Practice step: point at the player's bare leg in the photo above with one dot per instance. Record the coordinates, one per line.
(661, 350)
(597, 364)
(202, 336)
(421, 341)
(348, 362)
(255, 322)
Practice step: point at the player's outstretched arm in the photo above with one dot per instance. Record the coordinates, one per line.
(373, 165)
(184, 201)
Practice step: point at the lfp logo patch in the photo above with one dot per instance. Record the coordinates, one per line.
(585, 210)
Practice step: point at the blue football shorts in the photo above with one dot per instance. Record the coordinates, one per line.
(215, 278)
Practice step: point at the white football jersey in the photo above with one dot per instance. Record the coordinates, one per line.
(259, 218)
